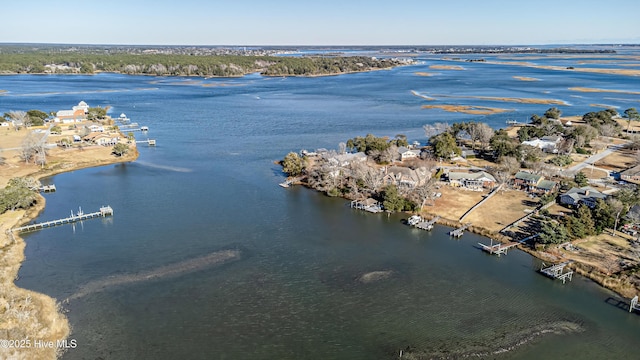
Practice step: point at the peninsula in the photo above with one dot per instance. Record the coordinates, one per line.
(28, 153)
(564, 188)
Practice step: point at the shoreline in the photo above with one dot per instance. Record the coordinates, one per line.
(608, 282)
(38, 316)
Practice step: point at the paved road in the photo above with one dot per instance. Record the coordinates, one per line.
(593, 159)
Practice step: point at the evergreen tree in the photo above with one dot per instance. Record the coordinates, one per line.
(581, 179)
(553, 233)
(580, 224)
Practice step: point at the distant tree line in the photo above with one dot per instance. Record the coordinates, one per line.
(38, 62)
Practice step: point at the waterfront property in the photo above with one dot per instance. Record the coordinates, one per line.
(585, 195)
(369, 204)
(527, 181)
(471, 180)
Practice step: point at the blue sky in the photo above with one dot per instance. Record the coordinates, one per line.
(320, 22)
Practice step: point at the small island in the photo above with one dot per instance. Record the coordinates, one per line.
(563, 189)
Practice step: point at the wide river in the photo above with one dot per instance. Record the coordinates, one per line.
(144, 284)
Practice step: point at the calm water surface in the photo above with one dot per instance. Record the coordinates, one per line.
(293, 293)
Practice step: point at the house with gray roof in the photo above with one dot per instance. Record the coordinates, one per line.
(585, 195)
(471, 180)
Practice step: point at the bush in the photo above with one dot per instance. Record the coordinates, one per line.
(562, 160)
(583, 151)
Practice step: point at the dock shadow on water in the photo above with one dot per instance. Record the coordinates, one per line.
(214, 259)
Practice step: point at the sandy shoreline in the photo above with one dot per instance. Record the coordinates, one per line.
(25, 314)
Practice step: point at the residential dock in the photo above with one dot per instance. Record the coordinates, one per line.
(422, 224)
(497, 249)
(556, 272)
(459, 231)
(370, 205)
(634, 304)
(79, 216)
(48, 188)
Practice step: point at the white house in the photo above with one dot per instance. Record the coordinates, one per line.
(81, 106)
(406, 153)
(546, 143)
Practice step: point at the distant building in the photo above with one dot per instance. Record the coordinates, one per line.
(585, 195)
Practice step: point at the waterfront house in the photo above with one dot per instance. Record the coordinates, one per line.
(632, 174)
(471, 180)
(405, 177)
(546, 186)
(345, 159)
(527, 181)
(585, 195)
(70, 116)
(82, 106)
(406, 153)
(546, 143)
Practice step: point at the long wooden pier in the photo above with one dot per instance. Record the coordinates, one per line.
(79, 216)
(459, 231)
(555, 272)
(497, 249)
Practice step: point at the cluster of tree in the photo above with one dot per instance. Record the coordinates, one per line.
(18, 194)
(37, 62)
(120, 149)
(381, 149)
(585, 221)
(445, 139)
(293, 164)
(96, 113)
(603, 121)
(26, 118)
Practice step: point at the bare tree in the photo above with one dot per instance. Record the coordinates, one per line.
(423, 193)
(509, 164)
(342, 148)
(565, 146)
(20, 118)
(580, 141)
(480, 132)
(435, 129)
(608, 130)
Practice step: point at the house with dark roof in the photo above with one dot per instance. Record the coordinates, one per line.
(527, 181)
(585, 195)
